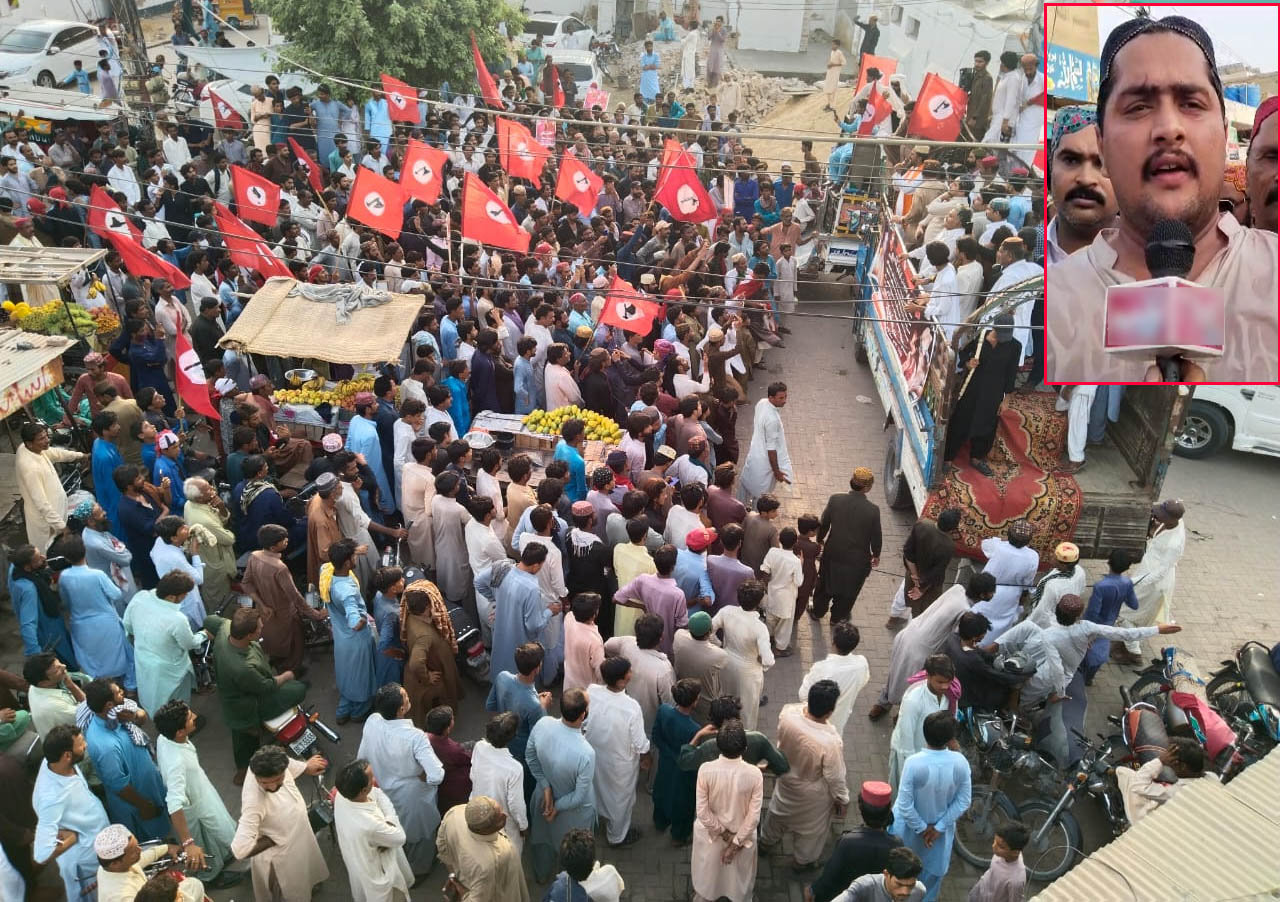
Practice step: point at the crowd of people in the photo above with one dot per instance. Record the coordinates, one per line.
(653, 590)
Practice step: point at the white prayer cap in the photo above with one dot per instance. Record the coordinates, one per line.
(111, 842)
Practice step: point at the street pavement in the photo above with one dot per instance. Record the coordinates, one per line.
(1227, 593)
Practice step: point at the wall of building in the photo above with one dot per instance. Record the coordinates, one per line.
(941, 38)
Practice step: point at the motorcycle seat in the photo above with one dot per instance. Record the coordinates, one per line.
(1260, 676)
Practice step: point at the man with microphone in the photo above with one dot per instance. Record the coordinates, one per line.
(1161, 118)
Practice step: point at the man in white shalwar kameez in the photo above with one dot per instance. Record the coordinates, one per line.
(689, 58)
(815, 789)
(274, 832)
(497, 775)
(746, 639)
(920, 700)
(616, 731)
(370, 838)
(1067, 578)
(189, 793)
(926, 635)
(727, 808)
(407, 769)
(1030, 122)
(1154, 575)
(848, 671)
(1013, 563)
(767, 462)
(1004, 104)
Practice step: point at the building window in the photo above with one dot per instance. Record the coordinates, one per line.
(913, 27)
(895, 14)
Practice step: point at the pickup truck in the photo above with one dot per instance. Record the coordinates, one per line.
(1241, 417)
(1105, 506)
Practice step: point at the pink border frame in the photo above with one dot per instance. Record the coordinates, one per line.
(1154, 6)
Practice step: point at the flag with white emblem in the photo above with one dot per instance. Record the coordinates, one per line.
(377, 202)
(939, 110)
(421, 171)
(107, 219)
(193, 388)
(225, 116)
(257, 199)
(519, 152)
(308, 166)
(680, 191)
(245, 246)
(627, 308)
(402, 100)
(487, 219)
(577, 184)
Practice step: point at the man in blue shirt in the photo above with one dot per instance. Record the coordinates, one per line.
(169, 466)
(326, 111)
(449, 328)
(228, 288)
(1109, 593)
(569, 449)
(80, 76)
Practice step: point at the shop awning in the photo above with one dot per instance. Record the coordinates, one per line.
(279, 325)
(44, 265)
(30, 365)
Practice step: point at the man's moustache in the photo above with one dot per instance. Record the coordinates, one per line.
(1085, 194)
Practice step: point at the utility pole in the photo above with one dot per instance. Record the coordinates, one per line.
(133, 53)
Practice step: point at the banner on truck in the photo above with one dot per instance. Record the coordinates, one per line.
(895, 285)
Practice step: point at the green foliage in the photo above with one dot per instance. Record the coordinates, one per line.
(423, 42)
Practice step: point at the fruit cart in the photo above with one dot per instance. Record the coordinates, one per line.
(41, 277)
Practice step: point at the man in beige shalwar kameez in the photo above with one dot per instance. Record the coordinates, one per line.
(727, 809)
(274, 832)
(806, 797)
(482, 863)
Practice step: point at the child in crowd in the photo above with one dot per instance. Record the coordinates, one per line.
(783, 573)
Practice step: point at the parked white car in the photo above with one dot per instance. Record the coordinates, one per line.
(1241, 417)
(582, 67)
(44, 51)
(558, 32)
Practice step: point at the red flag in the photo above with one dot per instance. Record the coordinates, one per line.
(878, 107)
(488, 87)
(627, 309)
(939, 110)
(487, 219)
(682, 194)
(193, 388)
(308, 165)
(257, 198)
(245, 246)
(520, 154)
(225, 116)
(886, 66)
(107, 219)
(671, 152)
(557, 87)
(138, 261)
(402, 103)
(378, 202)
(420, 173)
(577, 184)
(1040, 162)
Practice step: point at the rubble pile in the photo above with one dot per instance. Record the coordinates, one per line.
(752, 95)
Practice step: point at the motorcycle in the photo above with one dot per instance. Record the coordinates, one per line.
(1246, 692)
(992, 744)
(202, 662)
(293, 730)
(1173, 686)
(607, 53)
(1056, 838)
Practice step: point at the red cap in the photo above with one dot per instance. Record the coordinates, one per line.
(876, 793)
(700, 539)
(1266, 108)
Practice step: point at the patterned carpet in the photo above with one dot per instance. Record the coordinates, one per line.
(1030, 441)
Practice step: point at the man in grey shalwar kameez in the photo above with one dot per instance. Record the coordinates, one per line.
(926, 635)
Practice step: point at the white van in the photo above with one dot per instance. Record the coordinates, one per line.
(1242, 417)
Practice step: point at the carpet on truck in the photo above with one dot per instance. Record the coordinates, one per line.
(1030, 441)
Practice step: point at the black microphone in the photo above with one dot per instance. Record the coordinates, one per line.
(1170, 251)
